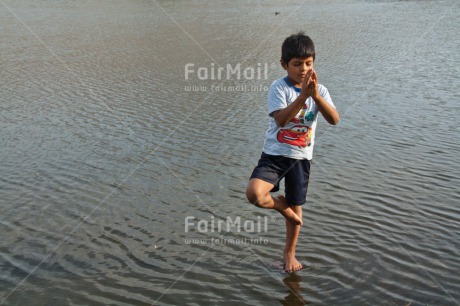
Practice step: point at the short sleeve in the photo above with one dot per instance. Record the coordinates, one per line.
(276, 97)
(325, 94)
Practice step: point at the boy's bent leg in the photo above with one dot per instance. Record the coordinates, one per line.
(292, 234)
(258, 193)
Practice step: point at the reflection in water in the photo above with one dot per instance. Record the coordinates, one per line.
(294, 298)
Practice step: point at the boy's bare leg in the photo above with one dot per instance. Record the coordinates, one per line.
(292, 233)
(281, 205)
(258, 193)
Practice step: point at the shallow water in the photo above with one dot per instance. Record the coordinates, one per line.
(111, 157)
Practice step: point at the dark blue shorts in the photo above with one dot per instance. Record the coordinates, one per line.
(296, 173)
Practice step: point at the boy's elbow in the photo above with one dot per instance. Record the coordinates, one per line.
(334, 118)
(279, 124)
(335, 121)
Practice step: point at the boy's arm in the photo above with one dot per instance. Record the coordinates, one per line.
(328, 111)
(309, 88)
(283, 116)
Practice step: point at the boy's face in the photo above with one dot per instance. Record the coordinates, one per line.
(297, 69)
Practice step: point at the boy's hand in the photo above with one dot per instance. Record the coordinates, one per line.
(313, 85)
(329, 112)
(310, 85)
(306, 87)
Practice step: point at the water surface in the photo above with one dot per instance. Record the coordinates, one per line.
(107, 149)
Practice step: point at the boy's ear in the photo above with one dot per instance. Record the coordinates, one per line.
(283, 64)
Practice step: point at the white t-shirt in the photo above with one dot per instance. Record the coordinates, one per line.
(296, 139)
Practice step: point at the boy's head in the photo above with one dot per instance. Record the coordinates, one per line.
(297, 46)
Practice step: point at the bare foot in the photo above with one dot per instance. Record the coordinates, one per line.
(282, 206)
(291, 264)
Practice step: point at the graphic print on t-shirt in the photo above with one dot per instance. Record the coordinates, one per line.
(298, 131)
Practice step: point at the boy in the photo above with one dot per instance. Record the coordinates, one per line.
(293, 106)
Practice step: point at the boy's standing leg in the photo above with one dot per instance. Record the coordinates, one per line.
(292, 234)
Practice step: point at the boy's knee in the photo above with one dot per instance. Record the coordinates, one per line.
(254, 195)
(251, 195)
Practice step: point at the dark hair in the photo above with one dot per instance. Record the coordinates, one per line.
(297, 45)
